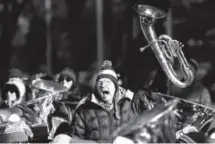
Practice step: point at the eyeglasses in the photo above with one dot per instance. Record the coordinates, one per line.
(62, 78)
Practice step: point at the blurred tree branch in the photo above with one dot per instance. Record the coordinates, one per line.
(9, 16)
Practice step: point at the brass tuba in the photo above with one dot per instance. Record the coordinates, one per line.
(165, 48)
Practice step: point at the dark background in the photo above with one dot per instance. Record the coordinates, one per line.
(73, 36)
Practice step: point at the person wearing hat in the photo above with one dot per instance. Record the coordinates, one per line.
(98, 115)
(64, 107)
(67, 77)
(13, 92)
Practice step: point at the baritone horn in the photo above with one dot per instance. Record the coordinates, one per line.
(165, 48)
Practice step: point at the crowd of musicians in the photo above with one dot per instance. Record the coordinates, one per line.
(84, 112)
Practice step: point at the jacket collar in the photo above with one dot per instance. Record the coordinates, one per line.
(94, 100)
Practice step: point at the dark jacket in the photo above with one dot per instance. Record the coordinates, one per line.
(69, 102)
(93, 121)
(64, 109)
(74, 94)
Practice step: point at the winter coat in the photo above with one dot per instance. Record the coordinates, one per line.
(95, 121)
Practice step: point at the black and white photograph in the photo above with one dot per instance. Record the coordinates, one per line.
(107, 71)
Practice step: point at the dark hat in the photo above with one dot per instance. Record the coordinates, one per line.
(67, 72)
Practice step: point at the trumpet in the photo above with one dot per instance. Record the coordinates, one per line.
(164, 47)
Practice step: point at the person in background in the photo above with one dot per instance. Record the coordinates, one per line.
(64, 107)
(67, 77)
(14, 91)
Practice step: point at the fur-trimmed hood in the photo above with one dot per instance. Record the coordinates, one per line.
(20, 86)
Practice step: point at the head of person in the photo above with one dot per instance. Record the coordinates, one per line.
(67, 77)
(13, 92)
(106, 82)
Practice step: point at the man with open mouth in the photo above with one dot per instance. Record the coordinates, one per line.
(99, 114)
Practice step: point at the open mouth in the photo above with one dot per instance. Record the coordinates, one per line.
(105, 92)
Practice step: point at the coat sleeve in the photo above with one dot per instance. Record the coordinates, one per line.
(140, 102)
(77, 128)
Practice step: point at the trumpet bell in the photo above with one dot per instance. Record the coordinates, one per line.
(150, 11)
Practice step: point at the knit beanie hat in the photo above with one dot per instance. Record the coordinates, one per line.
(108, 72)
(67, 72)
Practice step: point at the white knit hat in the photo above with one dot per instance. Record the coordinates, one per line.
(108, 72)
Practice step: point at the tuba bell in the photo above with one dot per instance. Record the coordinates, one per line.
(165, 48)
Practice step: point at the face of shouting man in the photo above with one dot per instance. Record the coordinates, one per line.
(106, 89)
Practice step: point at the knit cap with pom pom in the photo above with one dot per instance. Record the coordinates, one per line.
(108, 72)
